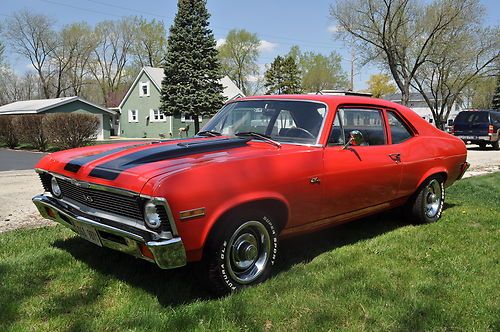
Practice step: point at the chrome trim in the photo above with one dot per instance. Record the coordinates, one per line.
(465, 166)
(167, 254)
(174, 257)
(164, 202)
(42, 201)
(90, 185)
(137, 223)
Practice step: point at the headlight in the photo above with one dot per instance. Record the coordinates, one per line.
(151, 216)
(56, 190)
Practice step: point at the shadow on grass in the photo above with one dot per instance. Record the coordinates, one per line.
(181, 286)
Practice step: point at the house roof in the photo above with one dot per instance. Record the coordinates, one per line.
(156, 75)
(414, 96)
(36, 106)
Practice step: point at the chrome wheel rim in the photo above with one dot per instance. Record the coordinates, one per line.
(433, 198)
(249, 249)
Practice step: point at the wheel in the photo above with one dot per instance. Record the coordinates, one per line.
(241, 252)
(495, 145)
(482, 145)
(427, 204)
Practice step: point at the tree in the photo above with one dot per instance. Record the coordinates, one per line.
(495, 103)
(466, 52)
(238, 55)
(380, 85)
(108, 62)
(479, 93)
(399, 34)
(149, 43)
(320, 72)
(192, 69)
(283, 76)
(33, 37)
(79, 42)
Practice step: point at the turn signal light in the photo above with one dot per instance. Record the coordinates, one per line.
(145, 251)
(490, 129)
(51, 212)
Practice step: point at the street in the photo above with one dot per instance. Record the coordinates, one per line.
(18, 159)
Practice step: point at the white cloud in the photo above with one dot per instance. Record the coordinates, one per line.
(267, 46)
(220, 42)
(333, 28)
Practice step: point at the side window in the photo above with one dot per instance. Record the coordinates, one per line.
(336, 135)
(368, 121)
(399, 131)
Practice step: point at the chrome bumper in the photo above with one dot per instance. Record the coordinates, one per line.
(463, 168)
(167, 254)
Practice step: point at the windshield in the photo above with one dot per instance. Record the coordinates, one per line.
(283, 121)
(469, 117)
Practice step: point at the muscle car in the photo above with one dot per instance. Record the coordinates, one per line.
(263, 168)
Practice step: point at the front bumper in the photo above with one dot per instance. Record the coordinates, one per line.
(463, 168)
(167, 254)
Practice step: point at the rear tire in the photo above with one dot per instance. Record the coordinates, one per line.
(495, 145)
(241, 252)
(427, 204)
(482, 145)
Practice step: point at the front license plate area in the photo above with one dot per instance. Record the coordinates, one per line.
(88, 233)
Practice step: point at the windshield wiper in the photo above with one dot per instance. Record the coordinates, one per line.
(265, 138)
(210, 133)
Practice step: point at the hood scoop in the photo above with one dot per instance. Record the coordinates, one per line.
(110, 170)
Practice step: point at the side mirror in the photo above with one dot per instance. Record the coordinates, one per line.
(355, 138)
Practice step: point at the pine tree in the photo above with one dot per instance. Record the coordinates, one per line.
(274, 77)
(192, 69)
(495, 104)
(291, 76)
(283, 76)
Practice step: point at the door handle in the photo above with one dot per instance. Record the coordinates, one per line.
(314, 180)
(395, 157)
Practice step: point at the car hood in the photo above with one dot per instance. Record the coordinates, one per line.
(130, 165)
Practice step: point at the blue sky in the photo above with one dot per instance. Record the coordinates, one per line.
(279, 23)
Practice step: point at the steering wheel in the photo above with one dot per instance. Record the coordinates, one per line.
(305, 131)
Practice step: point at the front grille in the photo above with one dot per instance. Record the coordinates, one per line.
(45, 178)
(130, 207)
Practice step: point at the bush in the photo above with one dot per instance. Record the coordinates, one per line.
(7, 131)
(72, 130)
(29, 129)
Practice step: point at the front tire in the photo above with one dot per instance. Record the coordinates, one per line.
(427, 204)
(241, 252)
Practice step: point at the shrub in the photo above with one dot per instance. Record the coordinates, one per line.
(29, 129)
(7, 131)
(73, 130)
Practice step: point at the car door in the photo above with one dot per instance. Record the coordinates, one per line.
(362, 176)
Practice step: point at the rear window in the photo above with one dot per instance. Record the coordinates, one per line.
(469, 117)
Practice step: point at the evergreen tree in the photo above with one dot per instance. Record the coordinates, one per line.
(192, 69)
(283, 76)
(495, 104)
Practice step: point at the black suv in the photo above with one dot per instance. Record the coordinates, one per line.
(478, 127)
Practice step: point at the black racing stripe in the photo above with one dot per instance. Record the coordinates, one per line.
(111, 169)
(75, 164)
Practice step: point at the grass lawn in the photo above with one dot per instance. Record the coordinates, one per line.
(378, 273)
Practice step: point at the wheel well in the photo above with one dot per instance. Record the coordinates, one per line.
(276, 209)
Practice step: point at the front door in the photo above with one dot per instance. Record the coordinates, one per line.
(364, 175)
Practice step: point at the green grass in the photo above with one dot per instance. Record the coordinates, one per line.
(378, 273)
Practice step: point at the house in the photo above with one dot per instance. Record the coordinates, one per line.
(63, 105)
(139, 110)
(418, 104)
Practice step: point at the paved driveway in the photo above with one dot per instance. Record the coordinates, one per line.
(15, 160)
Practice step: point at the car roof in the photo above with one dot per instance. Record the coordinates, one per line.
(328, 99)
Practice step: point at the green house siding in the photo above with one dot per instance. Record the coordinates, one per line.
(80, 107)
(144, 105)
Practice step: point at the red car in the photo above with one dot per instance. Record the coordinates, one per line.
(261, 169)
